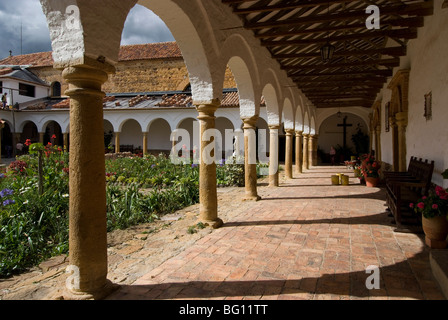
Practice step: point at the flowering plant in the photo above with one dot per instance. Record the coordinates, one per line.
(369, 166)
(434, 205)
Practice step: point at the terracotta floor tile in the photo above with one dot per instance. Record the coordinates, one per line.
(300, 242)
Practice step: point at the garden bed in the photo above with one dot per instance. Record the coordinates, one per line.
(34, 212)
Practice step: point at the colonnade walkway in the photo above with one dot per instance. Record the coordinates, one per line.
(306, 239)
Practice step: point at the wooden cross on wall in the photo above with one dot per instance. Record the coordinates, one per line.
(344, 124)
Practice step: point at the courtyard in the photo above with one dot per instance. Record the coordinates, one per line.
(305, 240)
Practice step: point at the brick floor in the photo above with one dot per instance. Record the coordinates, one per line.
(306, 239)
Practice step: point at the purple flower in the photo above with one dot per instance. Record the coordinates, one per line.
(6, 192)
(7, 202)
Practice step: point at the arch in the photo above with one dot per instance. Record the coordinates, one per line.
(124, 119)
(29, 131)
(159, 132)
(189, 24)
(221, 124)
(288, 115)
(7, 141)
(131, 133)
(298, 120)
(272, 105)
(239, 57)
(85, 31)
(312, 126)
(56, 89)
(306, 123)
(53, 133)
(328, 135)
(108, 133)
(323, 114)
(192, 126)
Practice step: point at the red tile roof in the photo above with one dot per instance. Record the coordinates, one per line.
(162, 50)
(40, 59)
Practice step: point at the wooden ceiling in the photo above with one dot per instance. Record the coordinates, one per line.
(295, 30)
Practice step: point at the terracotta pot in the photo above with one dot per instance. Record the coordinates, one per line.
(436, 231)
(372, 182)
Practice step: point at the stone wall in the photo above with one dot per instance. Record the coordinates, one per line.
(139, 76)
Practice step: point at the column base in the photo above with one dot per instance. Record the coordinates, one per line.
(251, 198)
(108, 288)
(215, 224)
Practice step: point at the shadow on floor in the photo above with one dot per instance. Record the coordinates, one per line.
(395, 281)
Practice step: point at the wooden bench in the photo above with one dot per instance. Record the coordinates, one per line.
(402, 188)
(127, 148)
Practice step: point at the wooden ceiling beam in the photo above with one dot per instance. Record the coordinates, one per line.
(281, 6)
(354, 103)
(384, 73)
(414, 22)
(391, 51)
(400, 34)
(416, 9)
(383, 62)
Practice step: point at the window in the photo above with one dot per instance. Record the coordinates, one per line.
(27, 90)
(56, 89)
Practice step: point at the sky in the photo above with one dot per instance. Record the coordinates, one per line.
(25, 31)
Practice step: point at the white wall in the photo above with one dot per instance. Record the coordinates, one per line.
(41, 92)
(428, 64)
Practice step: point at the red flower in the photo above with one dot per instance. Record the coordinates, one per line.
(28, 142)
(53, 136)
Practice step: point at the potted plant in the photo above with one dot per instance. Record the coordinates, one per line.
(370, 169)
(433, 209)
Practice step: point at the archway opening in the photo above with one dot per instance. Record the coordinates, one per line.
(131, 137)
(159, 137)
(347, 133)
(53, 134)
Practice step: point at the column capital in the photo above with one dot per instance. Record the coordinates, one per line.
(299, 133)
(274, 127)
(249, 123)
(207, 110)
(289, 132)
(401, 119)
(84, 80)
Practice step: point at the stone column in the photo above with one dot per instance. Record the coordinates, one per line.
(87, 205)
(402, 122)
(313, 150)
(310, 150)
(145, 143)
(305, 151)
(208, 212)
(273, 156)
(299, 152)
(250, 158)
(65, 142)
(117, 142)
(288, 153)
(378, 143)
(41, 137)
